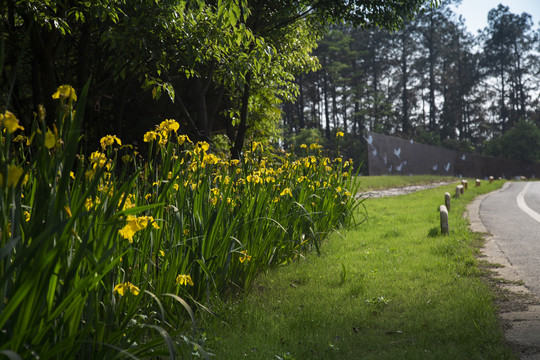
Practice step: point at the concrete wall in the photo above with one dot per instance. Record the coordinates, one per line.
(388, 155)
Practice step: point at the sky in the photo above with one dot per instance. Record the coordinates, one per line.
(475, 11)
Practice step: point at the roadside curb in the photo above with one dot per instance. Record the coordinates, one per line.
(522, 327)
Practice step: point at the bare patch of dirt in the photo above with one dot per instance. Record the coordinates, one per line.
(402, 190)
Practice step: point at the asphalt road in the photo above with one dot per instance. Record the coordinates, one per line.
(512, 216)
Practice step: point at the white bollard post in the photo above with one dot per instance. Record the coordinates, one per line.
(447, 201)
(465, 184)
(444, 220)
(478, 183)
(490, 179)
(458, 191)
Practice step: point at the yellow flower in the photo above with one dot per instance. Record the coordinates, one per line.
(135, 224)
(150, 136)
(26, 216)
(303, 146)
(127, 287)
(126, 158)
(255, 179)
(202, 146)
(255, 145)
(175, 187)
(184, 280)
(65, 92)
(98, 159)
(50, 139)
(161, 252)
(10, 122)
(88, 203)
(129, 203)
(19, 138)
(286, 191)
(109, 140)
(315, 146)
(164, 138)
(14, 175)
(210, 159)
(182, 139)
(245, 256)
(339, 134)
(169, 125)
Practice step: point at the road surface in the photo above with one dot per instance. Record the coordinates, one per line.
(512, 216)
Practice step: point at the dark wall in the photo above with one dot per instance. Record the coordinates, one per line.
(388, 155)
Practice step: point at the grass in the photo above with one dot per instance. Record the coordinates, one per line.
(393, 288)
(383, 182)
(110, 255)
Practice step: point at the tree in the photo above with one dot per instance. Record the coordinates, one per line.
(223, 62)
(522, 142)
(509, 41)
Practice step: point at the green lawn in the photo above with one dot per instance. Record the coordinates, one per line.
(393, 288)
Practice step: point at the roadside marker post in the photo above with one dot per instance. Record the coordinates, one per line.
(444, 220)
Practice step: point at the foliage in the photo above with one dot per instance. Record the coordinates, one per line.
(298, 143)
(225, 65)
(522, 142)
(108, 255)
(509, 42)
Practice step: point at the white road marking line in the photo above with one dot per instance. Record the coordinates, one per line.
(523, 206)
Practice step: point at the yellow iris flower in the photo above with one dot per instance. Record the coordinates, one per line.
(245, 256)
(125, 288)
(135, 224)
(184, 280)
(109, 140)
(10, 122)
(169, 125)
(50, 139)
(65, 92)
(14, 175)
(286, 191)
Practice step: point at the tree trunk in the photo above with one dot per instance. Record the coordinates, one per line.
(405, 93)
(202, 114)
(326, 110)
(236, 150)
(43, 43)
(431, 48)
